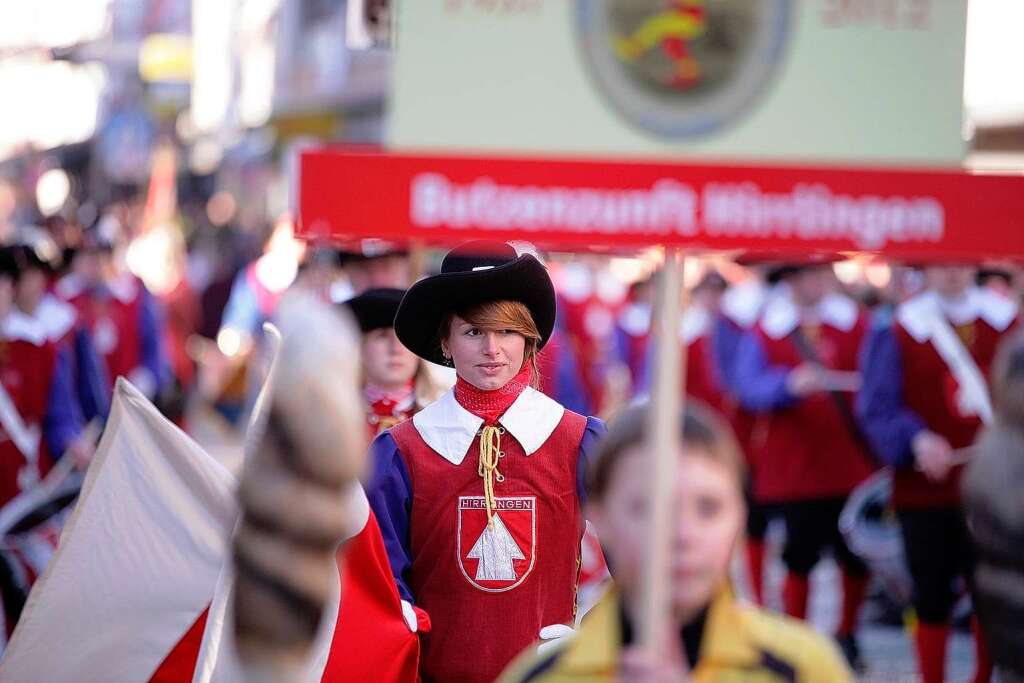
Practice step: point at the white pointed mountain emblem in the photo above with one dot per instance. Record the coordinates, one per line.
(497, 557)
(496, 549)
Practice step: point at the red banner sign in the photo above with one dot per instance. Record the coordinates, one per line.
(578, 203)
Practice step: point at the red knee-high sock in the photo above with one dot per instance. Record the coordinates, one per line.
(854, 588)
(794, 595)
(930, 640)
(982, 659)
(755, 568)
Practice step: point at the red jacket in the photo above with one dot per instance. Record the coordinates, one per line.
(803, 448)
(26, 372)
(930, 390)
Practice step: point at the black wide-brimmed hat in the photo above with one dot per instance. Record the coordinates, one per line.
(368, 249)
(375, 308)
(472, 274)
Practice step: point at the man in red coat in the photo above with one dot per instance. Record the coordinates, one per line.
(796, 372)
(925, 396)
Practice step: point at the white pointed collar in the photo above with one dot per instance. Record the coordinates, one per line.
(695, 323)
(449, 429)
(20, 327)
(915, 315)
(635, 319)
(781, 315)
(70, 286)
(123, 288)
(56, 316)
(744, 302)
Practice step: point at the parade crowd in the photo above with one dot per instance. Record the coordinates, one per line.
(503, 500)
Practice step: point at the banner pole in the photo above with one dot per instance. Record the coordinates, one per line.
(667, 399)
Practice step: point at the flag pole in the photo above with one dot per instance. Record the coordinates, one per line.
(667, 399)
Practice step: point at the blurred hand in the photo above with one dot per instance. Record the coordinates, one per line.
(933, 455)
(805, 380)
(304, 451)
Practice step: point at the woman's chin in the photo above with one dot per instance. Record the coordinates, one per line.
(489, 383)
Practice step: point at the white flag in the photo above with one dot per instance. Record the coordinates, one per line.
(138, 561)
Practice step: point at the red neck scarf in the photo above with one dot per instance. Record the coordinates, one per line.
(384, 402)
(490, 405)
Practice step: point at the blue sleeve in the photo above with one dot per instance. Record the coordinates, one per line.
(91, 378)
(760, 387)
(390, 495)
(725, 341)
(568, 382)
(149, 338)
(63, 421)
(888, 424)
(593, 433)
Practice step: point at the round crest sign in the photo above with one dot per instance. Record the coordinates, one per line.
(683, 68)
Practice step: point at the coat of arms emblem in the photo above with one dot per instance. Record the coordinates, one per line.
(682, 68)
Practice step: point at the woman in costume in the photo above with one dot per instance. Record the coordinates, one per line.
(479, 495)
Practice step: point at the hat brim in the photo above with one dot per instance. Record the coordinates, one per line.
(427, 302)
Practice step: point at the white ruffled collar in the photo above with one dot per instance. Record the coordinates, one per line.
(916, 314)
(449, 429)
(781, 315)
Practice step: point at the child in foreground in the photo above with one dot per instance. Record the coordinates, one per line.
(719, 638)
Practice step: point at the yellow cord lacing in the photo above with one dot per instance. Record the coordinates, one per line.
(490, 452)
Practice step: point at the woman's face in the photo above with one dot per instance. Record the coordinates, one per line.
(487, 359)
(386, 362)
(708, 509)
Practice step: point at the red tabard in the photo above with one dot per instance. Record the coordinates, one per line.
(929, 390)
(807, 450)
(114, 326)
(489, 594)
(26, 371)
(701, 380)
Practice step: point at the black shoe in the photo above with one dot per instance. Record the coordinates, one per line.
(848, 646)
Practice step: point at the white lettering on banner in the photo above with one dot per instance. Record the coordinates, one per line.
(813, 212)
(667, 207)
(670, 207)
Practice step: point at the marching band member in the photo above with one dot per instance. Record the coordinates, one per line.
(633, 332)
(39, 415)
(479, 494)
(61, 324)
(120, 312)
(805, 439)
(396, 382)
(703, 379)
(925, 396)
(716, 637)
